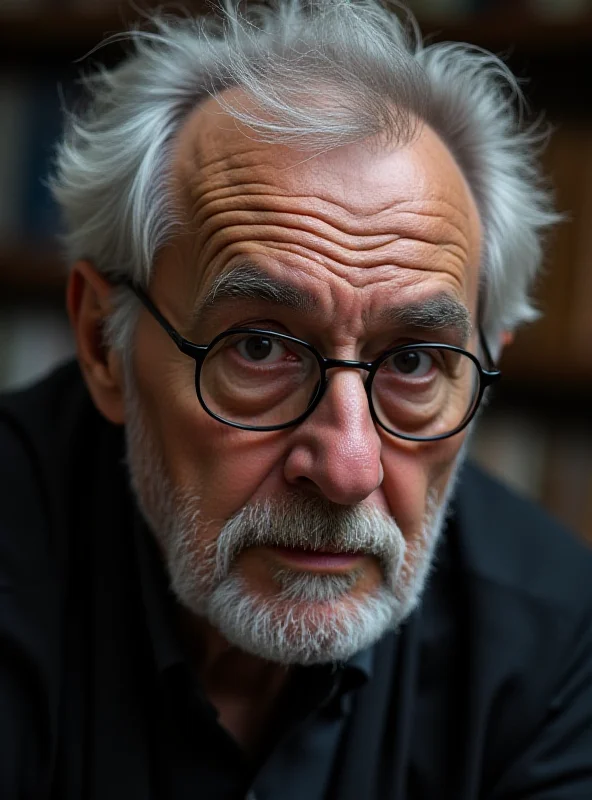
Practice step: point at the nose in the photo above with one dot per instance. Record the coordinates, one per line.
(336, 451)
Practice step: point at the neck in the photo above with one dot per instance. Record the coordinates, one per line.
(243, 688)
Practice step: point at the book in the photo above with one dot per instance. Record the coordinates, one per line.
(579, 317)
(13, 134)
(44, 119)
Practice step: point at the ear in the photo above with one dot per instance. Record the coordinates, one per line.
(506, 339)
(88, 301)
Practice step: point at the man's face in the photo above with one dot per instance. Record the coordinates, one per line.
(352, 238)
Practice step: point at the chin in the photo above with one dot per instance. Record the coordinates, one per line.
(330, 624)
(293, 616)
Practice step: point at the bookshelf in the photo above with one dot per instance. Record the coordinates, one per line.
(545, 49)
(32, 268)
(548, 372)
(24, 33)
(35, 34)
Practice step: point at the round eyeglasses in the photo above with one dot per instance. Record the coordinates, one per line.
(263, 380)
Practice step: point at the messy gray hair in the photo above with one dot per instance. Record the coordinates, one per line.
(322, 73)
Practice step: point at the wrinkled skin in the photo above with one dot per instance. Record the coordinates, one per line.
(360, 229)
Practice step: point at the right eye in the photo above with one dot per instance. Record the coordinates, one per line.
(260, 349)
(411, 363)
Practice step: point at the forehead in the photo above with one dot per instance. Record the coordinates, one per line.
(360, 216)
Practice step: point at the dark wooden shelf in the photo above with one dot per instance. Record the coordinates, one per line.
(63, 33)
(520, 31)
(565, 402)
(31, 270)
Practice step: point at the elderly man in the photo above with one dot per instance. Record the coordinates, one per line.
(238, 554)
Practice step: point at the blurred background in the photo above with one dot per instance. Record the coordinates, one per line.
(537, 431)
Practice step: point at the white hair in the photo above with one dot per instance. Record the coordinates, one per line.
(322, 74)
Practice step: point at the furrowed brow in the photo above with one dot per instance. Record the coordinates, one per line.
(247, 281)
(437, 313)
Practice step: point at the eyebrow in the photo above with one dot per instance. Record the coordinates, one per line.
(436, 313)
(246, 281)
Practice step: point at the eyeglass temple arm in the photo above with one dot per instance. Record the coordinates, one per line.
(185, 346)
(492, 371)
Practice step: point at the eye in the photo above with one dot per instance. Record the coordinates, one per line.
(415, 363)
(261, 349)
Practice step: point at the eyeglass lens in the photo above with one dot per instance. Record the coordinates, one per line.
(262, 380)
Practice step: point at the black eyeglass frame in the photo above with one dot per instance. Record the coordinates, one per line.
(198, 353)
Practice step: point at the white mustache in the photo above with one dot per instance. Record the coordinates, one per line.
(314, 524)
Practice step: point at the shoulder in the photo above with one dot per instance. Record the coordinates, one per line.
(508, 542)
(36, 432)
(507, 628)
(33, 442)
(522, 600)
(36, 411)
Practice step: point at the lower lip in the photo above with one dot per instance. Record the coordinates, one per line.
(317, 561)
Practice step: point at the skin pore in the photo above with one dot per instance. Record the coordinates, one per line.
(365, 232)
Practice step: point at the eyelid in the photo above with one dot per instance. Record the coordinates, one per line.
(433, 338)
(265, 324)
(398, 343)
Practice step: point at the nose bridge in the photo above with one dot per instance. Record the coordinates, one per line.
(338, 448)
(342, 403)
(340, 364)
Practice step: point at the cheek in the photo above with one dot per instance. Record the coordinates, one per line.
(224, 466)
(411, 472)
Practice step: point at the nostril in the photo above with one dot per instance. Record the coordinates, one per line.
(307, 484)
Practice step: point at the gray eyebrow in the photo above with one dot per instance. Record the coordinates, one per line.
(247, 281)
(435, 313)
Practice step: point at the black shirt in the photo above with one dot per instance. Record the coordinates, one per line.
(486, 692)
(300, 749)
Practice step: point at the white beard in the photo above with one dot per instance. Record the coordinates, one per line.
(312, 618)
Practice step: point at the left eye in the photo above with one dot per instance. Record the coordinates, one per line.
(415, 363)
(261, 349)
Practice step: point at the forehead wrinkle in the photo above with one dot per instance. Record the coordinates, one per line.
(432, 219)
(236, 187)
(229, 175)
(411, 239)
(439, 312)
(217, 207)
(414, 254)
(336, 232)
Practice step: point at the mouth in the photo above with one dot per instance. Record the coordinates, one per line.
(322, 561)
